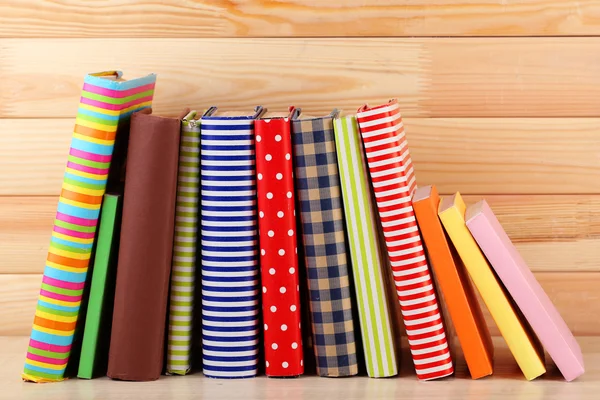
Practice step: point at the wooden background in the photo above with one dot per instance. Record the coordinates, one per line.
(501, 100)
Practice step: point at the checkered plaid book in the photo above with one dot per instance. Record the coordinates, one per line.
(322, 217)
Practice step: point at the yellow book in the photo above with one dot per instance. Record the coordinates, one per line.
(521, 341)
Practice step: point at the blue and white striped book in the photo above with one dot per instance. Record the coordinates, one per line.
(229, 256)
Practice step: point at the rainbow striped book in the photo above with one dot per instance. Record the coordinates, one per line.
(107, 102)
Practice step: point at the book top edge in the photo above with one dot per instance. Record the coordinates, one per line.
(475, 210)
(422, 193)
(114, 80)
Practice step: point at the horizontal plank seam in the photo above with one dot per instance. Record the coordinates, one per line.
(542, 271)
(503, 194)
(441, 194)
(449, 117)
(417, 36)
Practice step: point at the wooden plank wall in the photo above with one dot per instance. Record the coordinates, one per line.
(500, 100)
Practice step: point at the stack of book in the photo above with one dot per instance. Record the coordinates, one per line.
(203, 242)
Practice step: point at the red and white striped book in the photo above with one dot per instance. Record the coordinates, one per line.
(393, 178)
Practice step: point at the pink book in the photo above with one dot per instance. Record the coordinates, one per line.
(527, 293)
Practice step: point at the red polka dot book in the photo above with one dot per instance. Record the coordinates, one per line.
(278, 246)
(257, 196)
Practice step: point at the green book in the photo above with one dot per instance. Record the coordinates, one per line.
(96, 334)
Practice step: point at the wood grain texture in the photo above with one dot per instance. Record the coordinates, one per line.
(497, 115)
(470, 155)
(33, 155)
(576, 297)
(537, 219)
(25, 230)
(575, 294)
(508, 155)
(563, 234)
(218, 18)
(432, 77)
(18, 297)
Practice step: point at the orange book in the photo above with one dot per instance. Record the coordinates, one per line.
(453, 280)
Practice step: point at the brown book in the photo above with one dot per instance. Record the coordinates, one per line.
(144, 264)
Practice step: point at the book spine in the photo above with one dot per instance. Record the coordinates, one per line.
(145, 251)
(375, 323)
(183, 273)
(320, 200)
(100, 289)
(459, 295)
(229, 256)
(105, 105)
(512, 328)
(393, 178)
(526, 291)
(279, 258)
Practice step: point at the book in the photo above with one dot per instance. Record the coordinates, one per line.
(183, 273)
(325, 248)
(367, 261)
(145, 250)
(521, 342)
(393, 179)
(229, 241)
(454, 283)
(106, 104)
(282, 331)
(96, 335)
(526, 291)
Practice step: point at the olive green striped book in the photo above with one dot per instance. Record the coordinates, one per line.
(183, 275)
(96, 334)
(367, 261)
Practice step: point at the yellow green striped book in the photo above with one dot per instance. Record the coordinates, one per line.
(367, 261)
(183, 276)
